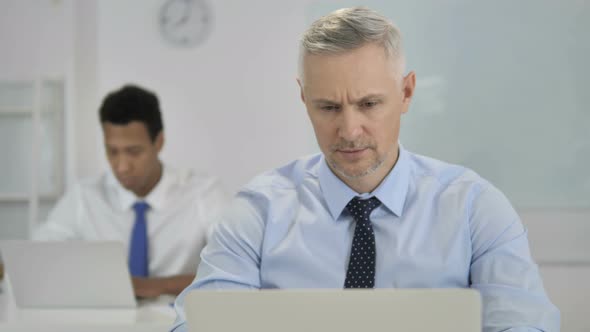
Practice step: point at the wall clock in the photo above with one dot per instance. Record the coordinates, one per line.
(185, 23)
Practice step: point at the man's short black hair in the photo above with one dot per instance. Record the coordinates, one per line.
(132, 103)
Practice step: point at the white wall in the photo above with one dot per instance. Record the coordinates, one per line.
(84, 98)
(231, 106)
(35, 38)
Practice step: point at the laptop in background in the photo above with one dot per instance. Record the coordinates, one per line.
(376, 310)
(69, 274)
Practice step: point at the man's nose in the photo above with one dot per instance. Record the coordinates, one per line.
(350, 124)
(122, 165)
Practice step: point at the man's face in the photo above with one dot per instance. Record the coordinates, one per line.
(132, 155)
(355, 101)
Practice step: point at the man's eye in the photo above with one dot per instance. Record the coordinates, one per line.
(369, 104)
(134, 152)
(329, 108)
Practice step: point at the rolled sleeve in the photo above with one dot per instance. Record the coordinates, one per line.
(503, 270)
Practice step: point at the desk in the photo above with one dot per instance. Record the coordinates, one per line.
(149, 316)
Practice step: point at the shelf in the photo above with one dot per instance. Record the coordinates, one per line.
(17, 95)
(5, 110)
(20, 197)
(32, 122)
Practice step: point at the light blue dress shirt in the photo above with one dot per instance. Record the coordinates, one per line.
(439, 226)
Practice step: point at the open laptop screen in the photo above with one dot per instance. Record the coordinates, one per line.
(69, 274)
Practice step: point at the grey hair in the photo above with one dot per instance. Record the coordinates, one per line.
(348, 29)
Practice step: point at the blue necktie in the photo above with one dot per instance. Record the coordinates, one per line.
(361, 266)
(138, 249)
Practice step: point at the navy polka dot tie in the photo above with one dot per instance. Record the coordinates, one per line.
(361, 266)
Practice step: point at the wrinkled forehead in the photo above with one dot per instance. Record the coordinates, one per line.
(366, 70)
(364, 59)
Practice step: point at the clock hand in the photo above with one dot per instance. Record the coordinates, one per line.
(186, 13)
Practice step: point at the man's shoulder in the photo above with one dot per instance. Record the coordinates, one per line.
(188, 180)
(287, 177)
(92, 184)
(88, 189)
(191, 177)
(445, 174)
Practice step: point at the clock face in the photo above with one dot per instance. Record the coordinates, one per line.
(185, 22)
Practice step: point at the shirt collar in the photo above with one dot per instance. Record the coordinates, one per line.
(391, 192)
(156, 198)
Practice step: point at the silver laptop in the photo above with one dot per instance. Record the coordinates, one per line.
(70, 274)
(379, 310)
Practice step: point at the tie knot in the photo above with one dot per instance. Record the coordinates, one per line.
(140, 207)
(362, 208)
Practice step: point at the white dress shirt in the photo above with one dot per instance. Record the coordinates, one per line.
(183, 206)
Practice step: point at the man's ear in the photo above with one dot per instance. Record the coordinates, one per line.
(301, 90)
(159, 142)
(409, 85)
